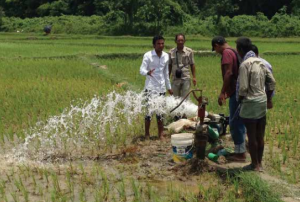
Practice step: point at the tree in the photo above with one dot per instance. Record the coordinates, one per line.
(55, 8)
(218, 8)
(1, 15)
(295, 7)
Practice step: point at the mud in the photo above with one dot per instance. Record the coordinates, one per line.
(149, 162)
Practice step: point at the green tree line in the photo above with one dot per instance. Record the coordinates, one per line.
(40, 8)
(146, 17)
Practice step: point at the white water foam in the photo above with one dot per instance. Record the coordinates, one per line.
(84, 127)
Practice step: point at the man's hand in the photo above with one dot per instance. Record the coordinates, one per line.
(170, 91)
(150, 72)
(240, 99)
(222, 99)
(194, 81)
(269, 104)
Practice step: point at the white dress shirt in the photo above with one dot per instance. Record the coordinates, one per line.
(159, 80)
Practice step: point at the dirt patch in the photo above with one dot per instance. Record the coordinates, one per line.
(149, 162)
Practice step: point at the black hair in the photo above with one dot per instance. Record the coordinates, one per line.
(255, 49)
(180, 34)
(156, 38)
(243, 45)
(217, 40)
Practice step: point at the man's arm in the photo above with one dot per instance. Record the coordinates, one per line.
(167, 78)
(226, 83)
(227, 77)
(193, 67)
(170, 69)
(170, 64)
(270, 87)
(243, 81)
(270, 81)
(144, 66)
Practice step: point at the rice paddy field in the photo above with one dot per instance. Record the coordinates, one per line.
(62, 137)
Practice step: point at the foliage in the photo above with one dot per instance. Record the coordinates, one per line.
(55, 8)
(218, 8)
(144, 17)
(62, 24)
(295, 7)
(146, 22)
(1, 15)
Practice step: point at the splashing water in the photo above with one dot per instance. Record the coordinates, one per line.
(79, 129)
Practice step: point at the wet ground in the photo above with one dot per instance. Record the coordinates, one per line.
(151, 162)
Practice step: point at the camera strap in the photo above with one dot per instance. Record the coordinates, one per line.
(177, 60)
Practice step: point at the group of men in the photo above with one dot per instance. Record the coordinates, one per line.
(248, 83)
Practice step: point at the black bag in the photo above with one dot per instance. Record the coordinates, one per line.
(178, 73)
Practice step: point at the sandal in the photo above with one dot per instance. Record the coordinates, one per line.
(250, 167)
(235, 159)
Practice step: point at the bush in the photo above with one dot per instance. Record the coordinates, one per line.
(1, 15)
(61, 24)
(281, 25)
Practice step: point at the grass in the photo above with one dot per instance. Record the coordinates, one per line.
(254, 189)
(34, 88)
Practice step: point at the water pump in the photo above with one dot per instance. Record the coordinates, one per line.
(201, 134)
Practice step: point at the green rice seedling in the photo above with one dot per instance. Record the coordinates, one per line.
(121, 190)
(105, 187)
(236, 186)
(82, 195)
(276, 162)
(2, 190)
(40, 191)
(54, 195)
(285, 156)
(136, 190)
(150, 192)
(8, 177)
(56, 186)
(25, 193)
(254, 189)
(70, 183)
(97, 196)
(17, 184)
(280, 141)
(15, 196)
(271, 145)
(34, 181)
(46, 176)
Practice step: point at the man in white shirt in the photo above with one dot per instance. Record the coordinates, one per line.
(155, 68)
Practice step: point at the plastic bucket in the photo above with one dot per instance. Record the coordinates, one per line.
(182, 145)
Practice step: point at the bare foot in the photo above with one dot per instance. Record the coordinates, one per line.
(162, 137)
(261, 169)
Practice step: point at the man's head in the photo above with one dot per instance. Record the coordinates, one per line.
(255, 49)
(243, 46)
(158, 43)
(180, 40)
(217, 43)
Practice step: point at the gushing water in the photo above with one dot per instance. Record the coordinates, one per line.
(90, 126)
